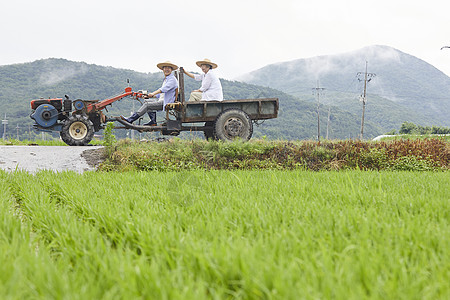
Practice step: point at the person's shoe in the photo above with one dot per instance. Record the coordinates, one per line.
(151, 123)
(131, 119)
(152, 116)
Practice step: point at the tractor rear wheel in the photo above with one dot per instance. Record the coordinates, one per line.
(78, 130)
(233, 124)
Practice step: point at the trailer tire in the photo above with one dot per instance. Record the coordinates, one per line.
(77, 130)
(209, 133)
(232, 124)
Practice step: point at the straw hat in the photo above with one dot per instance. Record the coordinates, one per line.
(167, 64)
(206, 62)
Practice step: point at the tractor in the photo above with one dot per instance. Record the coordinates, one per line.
(78, 120)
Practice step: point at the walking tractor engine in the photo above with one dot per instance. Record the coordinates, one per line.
(76, 120)
(47, 112)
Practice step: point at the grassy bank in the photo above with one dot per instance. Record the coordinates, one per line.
(400, 137)
(175, 154)
(225, 234)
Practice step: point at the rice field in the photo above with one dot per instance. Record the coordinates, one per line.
(225, 235)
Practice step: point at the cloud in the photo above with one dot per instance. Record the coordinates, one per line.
(51, 74)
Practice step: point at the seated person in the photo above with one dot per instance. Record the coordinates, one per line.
(164, 95)
(211, 88)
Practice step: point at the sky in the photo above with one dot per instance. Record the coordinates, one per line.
(239, 35)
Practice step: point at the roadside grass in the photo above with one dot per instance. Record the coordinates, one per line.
(15, 142)
(225, 234)
(176, 154)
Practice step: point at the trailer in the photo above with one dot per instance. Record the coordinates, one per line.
(78, 120)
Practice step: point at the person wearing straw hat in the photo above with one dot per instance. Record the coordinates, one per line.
(211, 88)
(164, 95)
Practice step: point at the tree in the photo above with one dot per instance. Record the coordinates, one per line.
(407, 128)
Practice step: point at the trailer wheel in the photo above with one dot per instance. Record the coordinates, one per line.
(233, 123)
(209, 133)
(78, 130)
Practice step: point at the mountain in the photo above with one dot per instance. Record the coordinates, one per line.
(405, 87)
(20, 83)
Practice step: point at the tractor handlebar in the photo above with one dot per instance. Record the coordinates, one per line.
(128, 93)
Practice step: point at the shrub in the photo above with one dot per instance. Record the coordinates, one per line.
(412, 163)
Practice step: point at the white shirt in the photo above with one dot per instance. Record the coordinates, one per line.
(211, 87)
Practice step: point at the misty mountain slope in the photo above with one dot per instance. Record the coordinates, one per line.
(53, 78)
(387, 114)
(401, 78)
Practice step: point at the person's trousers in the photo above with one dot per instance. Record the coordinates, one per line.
(195, 96)
(150, 105)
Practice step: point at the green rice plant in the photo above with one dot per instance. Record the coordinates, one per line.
(225, 234)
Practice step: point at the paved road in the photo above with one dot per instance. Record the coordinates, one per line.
(35, 158)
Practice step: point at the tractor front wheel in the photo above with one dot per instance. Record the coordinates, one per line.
(78, 130)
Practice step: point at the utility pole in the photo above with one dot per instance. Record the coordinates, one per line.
(317, 91)
(4, 123)
(367, 77)
(17, 131)
(328, 121)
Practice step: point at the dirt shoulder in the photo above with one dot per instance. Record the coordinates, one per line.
(94, 157)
